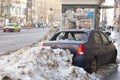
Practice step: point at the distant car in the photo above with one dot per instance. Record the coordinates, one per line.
(91, 48)
(11, 27)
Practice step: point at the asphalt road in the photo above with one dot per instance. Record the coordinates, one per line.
(10, 41)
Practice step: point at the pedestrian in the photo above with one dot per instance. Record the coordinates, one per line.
(112, 28)
(38, 25)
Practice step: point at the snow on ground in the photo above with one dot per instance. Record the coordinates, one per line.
(41, 63)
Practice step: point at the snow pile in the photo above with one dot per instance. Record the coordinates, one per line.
(40, 63)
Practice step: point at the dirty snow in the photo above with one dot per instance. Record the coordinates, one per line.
(38, 63)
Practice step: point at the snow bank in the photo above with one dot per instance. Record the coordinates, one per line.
(40, 63)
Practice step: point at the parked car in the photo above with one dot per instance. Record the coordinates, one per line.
(11, 27)
(91, 48)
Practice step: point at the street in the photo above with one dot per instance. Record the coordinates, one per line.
(10, 41)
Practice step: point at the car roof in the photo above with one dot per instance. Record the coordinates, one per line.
(76, 30)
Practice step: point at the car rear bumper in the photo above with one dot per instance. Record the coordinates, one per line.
(82, 61)
(7, 29)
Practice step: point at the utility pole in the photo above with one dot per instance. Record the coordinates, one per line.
(51, 16)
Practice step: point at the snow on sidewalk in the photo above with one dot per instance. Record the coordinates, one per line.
(38, 63)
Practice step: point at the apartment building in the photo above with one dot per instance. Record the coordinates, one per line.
(46, 11)
(13, 10)
(18, 11)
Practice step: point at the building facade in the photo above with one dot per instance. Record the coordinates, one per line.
(46, 11)
(13, 11)
(33, 11)
(117, 8)
(117, 15)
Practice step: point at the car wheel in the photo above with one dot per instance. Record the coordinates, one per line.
(93, 66)
(113, 60)
(4, 31)
(12, 30)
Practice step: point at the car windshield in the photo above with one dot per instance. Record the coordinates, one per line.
(76, 36)
(10, 24)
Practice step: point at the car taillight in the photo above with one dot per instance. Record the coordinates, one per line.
(81, 50)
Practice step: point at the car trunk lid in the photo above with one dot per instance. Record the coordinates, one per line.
(73, 46)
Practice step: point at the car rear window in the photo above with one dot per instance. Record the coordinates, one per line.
(76, 36)
(80, 36)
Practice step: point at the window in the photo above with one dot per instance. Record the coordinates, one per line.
(105, 40)
(81, 36)
(76, 36)
(71, 36)
(97, 38)
(60, 36)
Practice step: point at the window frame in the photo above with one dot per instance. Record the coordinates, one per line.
(102, 34)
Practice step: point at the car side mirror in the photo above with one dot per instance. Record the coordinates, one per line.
(112, 41)
(108, 33)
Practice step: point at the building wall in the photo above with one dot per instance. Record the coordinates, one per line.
(42, 11)
(117, 16)
(0, 8)
(13, 10)
(92, 2)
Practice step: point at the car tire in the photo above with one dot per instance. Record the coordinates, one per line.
(93, 66)
(12, 30)
(4, 31)
(113, 60)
